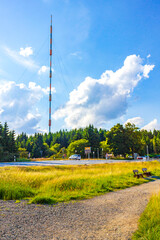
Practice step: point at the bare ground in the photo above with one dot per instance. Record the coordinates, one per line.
(112, 216)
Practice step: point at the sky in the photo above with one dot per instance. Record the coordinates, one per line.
(106, 64)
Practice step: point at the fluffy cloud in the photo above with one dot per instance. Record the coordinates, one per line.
(16, 105)
(43, 69)
(138, 121)
(26, 52)
(96, 101)
(152, 125)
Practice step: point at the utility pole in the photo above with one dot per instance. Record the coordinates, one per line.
(98, 153)
(147, 153)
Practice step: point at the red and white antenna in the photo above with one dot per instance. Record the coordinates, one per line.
(50, 77)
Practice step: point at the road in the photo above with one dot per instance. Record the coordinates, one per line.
(63, 162)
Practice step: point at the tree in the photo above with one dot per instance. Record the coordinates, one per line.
(133, 138)
(12, 142)
(5, 137)
(116, 140)
(23, 153)
(78, 147)
(91, 134)
(105, 146)
(56, 147)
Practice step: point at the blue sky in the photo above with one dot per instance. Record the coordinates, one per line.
(105, 62)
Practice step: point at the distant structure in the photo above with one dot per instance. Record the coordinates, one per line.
(50, 77)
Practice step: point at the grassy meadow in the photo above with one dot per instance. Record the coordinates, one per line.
(63, 183)
(149, 223)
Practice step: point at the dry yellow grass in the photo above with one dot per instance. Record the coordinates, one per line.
(62, 183)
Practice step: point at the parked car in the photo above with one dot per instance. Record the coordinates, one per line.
(139, 157)
(75, 157)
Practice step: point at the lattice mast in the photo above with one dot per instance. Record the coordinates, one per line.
(50, 77)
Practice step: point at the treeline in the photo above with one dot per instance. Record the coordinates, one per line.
(8, 146)
(119, 140)
(61, 143)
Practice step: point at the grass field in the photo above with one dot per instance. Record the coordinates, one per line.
(64, 183)
(149, 224)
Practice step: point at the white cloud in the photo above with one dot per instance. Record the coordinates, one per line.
(26, 52)
(138, 121)
(43, 69)
(152, 125)
(16, 105)
(28, 63)
(96, 101)
(76, 54)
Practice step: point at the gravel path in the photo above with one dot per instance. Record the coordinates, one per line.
(110, 216)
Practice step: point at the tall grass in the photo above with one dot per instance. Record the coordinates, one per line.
(63, 183)
(149, 224)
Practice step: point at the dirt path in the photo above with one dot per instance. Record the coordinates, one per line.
(111, 216)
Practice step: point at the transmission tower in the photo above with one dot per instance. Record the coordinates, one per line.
(50, 77)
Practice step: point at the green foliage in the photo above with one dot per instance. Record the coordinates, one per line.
(8, 148)
(59, 155)
(116, 139)
(77, 147)
(43, 200)
(119, 140)
(56, 147)
(23, 153)
(105, 146)
(23, 160)
(125, 140)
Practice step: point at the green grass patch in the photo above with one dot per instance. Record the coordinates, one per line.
(149, 223)
(64, 183)
(23, 160)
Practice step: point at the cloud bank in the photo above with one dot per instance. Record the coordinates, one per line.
(153, 125)
(96, 101)
(16, 105)
(138, 121)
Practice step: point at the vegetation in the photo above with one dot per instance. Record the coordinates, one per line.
(119, 140)
(149, 222)
(8, 148)
(64, 183)
(62, 143)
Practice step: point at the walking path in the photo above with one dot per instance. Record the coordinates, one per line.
(113, 216)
